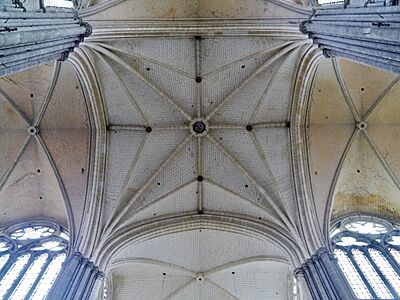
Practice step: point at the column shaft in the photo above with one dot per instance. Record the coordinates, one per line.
(76, 280)
(323, 279)
(29, 38)
(367, 33)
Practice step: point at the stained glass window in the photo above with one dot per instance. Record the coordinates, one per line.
(372, 276)
(366, 227)
(396, 254)
(32, 233)
(329, 2)
(29, 278)
(31, 257)
(352, 276)
(48, 278)
(295, 289)
(368, 254)
(386, 268)
(394, 240)
(12, 274)
(59, 3)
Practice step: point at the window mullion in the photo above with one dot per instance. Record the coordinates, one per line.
(31, 248)
(380, 274)
(369, 287)
(13, 257)
(3, 255)
(396, 261)
(392, 261)
(50, 276)
(21, 274)
(45, 266)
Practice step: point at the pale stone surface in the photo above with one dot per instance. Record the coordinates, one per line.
(144, 186)
(47, 177)
(366, 165)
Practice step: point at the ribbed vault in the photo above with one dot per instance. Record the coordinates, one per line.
(192, 151)
(45, 140)
(192, 189)
(98, 11)
(155, 90)
(353, 140)
(200, 264)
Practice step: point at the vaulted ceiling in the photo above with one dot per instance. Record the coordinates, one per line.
(158, 164)
(101, 10)
(45, 143)
(354, 140)
(201, 264)
(169, 145)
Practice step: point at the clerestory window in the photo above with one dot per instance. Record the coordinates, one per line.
(31, 257)
(368, 253)
(59, 3)
(330, 2)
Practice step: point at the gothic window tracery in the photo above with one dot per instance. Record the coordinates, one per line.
(368, 254)
(31, 257)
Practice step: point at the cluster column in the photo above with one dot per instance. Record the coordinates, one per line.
(77, 280)
(320, 276)
(31, 36)
(366, 32)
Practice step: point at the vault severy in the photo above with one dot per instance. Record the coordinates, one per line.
(352, 140)
(201, 264)
(98, 11)
(181, 146)
(197, 109)
(237, 116)
(45, 146)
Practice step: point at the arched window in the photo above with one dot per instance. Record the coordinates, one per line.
(330, 2)
(59, 3)
(31, 257)
(367, 250)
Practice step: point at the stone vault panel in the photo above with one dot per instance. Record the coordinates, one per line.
(198, 117)
(353, 140)
(45, 138)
